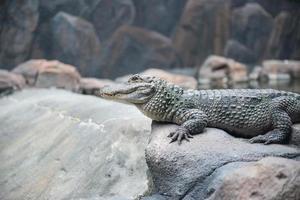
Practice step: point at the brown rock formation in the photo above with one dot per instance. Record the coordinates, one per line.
(203, 30)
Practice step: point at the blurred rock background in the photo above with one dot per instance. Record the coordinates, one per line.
(56, 144)
(111, 38)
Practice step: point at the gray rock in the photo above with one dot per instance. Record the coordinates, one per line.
(49, 73)
(74, 7)
(284, 40)
(269, 179)
(74, 41)
(277, 67)
(10, 81)
(238, 52)
(132, 49)
(18, 23)
(108, 15)
(167, 13)
(252, 26)
(198, 32)
(56, 144)
(217, 69)
(179, 170)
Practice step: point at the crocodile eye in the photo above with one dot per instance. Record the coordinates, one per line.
(134, 78)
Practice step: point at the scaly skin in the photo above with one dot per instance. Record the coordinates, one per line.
(264, 115)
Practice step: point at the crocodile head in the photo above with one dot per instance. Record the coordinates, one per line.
(137, 90)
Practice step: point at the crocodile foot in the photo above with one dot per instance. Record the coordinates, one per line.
(272, 137)
(180, 134)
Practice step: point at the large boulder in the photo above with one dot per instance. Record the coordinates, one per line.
(108, 15)
(184, 171)
(284, 40)
(167, 13)
(203, 30)
(277, 67)
(74, 41)
(79, 8)
(252, 26)
(269, 179)
(56, 144)
(239, 52)
(18, 24)
(220, 69)
(132, 49)
(44, 74)
(10, 81)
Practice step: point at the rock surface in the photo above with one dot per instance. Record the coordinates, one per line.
(132, 49)
(45, 74)
(10, 81)
(157, 15)
(109, 15)
(239, 52)
(252, 26)
(221, 69)
(285, 37)
(74, 41)
(269, 179)
(19, 21)
(198, 33)
(182, 172)
(59, 145)
(275, 67)
(245, 30)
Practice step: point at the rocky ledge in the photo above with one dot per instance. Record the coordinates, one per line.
(216, 165)
(55, 144)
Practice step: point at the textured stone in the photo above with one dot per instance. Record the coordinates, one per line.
(268, 179)
(44, 74)
(252, 26)
(108, 15)
(132, 49)
(284, 40)
(75, 42)
(217, 68)
(61, 145)
(203, 30)
(79, 8)
(238, 52)
(183, 171)
(167, 13)
(275, 67)
(10, 81)
(19, 21)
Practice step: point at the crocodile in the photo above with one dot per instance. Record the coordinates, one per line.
(262, 115)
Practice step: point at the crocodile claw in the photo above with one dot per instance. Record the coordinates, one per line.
(180, 134)
(274, 136)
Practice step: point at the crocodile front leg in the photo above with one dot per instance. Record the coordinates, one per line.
(191, 121)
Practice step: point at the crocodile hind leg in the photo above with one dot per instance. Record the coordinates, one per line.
(280, 110)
